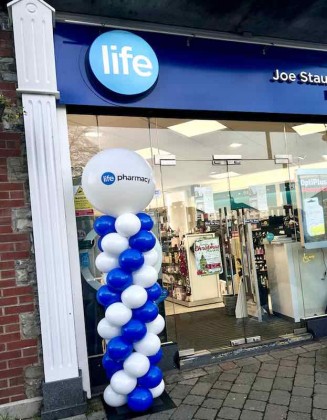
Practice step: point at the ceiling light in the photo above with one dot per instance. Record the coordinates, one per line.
(235, 145)
(324, 157)
(93, 134)
(224, 175)
(305, 129)
(197, 127)
(148, 152)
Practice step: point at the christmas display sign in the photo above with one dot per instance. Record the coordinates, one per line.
(208, 257)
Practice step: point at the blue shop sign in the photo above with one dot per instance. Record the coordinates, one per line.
(120, 69)
(123, 62)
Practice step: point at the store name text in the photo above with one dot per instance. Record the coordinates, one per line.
(302, 77)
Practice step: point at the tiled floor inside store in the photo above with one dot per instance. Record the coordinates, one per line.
(287, 384)
(214, 329)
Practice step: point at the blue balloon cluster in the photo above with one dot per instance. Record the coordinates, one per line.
(118, 279)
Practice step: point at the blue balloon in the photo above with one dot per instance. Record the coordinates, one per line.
(146, 313)
(156, 357)
(118, 349)
(154, 291)
(106, 297)
(164, 294)
(111, 366)
(131, 260)
(152, 378)
(146, 221)
(104, 225)
(118, 279)
(133, 331)
(140, 399)
(143, 241)
(99, 244)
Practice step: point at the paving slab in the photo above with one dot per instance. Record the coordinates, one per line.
(254, 405)
(206, 413)
(229, 413)
(301, 404)
(275, 412)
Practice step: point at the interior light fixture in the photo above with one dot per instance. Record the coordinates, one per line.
(235, 145)
(225, 175)
(197, 127)
(93, 134)
(305, 129)
(148, 152)
(324, 157)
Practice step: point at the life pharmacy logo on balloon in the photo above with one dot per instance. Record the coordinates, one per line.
(108, 178)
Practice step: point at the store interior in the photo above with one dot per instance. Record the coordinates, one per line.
(226, 211)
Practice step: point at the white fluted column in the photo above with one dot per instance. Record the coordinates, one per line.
(33, 35)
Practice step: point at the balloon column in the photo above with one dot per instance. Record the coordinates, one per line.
(120, 184)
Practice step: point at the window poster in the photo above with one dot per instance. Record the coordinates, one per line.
(312, 188)
(204, 199)
(207, 257)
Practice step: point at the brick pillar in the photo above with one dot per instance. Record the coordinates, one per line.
(21, 370)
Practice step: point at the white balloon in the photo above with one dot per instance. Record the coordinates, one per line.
(127, 224)
(118, 314)
(151, 257)
(137, 365)
(114, 244)
(156, 326)
(123, 383)
(112, 398)
(105, 262)
(146, 276)
(158, 248)
(134, 296)
(149, 345)
(158, 390)
(107, 330)
(118, 181)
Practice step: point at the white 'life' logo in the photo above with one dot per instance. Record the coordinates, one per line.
(114, 61)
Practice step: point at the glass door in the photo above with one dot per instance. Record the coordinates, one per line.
(198, 266)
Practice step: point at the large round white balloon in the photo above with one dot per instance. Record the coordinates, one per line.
(118, 314)
(114, 244)
(123, 383)
(105, 262)
(112, 398)
(151, 257)
(137, 365)
(146, 276)
(158, 390)
(149, 345)
(134, 296)
(118, 181)
(107, 330)
(127, 224)
(156, 326)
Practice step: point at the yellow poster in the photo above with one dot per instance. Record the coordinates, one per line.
(82, 206)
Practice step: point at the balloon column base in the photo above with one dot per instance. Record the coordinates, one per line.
(162, 403)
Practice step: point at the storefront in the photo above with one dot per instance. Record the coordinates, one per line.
(236, 137)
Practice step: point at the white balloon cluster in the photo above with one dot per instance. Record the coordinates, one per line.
(120, 184)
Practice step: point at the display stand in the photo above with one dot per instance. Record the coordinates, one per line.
(160, 404)
(205, 289)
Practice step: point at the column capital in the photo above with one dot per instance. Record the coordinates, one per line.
(33, 35)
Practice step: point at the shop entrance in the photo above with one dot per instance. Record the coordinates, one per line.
(215, 238)
(226, 214)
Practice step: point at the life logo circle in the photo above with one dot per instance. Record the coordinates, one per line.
(123, 62)
(108, 178)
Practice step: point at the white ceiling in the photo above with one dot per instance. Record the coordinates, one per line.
(194, 154)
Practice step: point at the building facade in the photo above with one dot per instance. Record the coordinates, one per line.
(235, 135)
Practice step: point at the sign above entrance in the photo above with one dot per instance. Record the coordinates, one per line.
(123, 62)
(120, 69)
